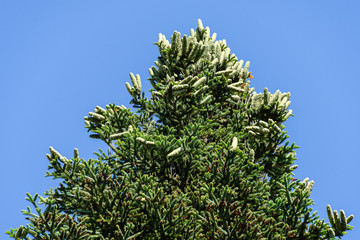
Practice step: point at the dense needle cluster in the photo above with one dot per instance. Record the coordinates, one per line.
(206, 157)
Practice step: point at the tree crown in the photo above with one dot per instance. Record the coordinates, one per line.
(206, 157)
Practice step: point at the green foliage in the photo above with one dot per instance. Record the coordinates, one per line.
(205, 158)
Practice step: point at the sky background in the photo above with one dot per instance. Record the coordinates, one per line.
(60, 59)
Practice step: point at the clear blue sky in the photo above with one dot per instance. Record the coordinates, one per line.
(59, 59)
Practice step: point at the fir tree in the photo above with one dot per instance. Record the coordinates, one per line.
(206, 157)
